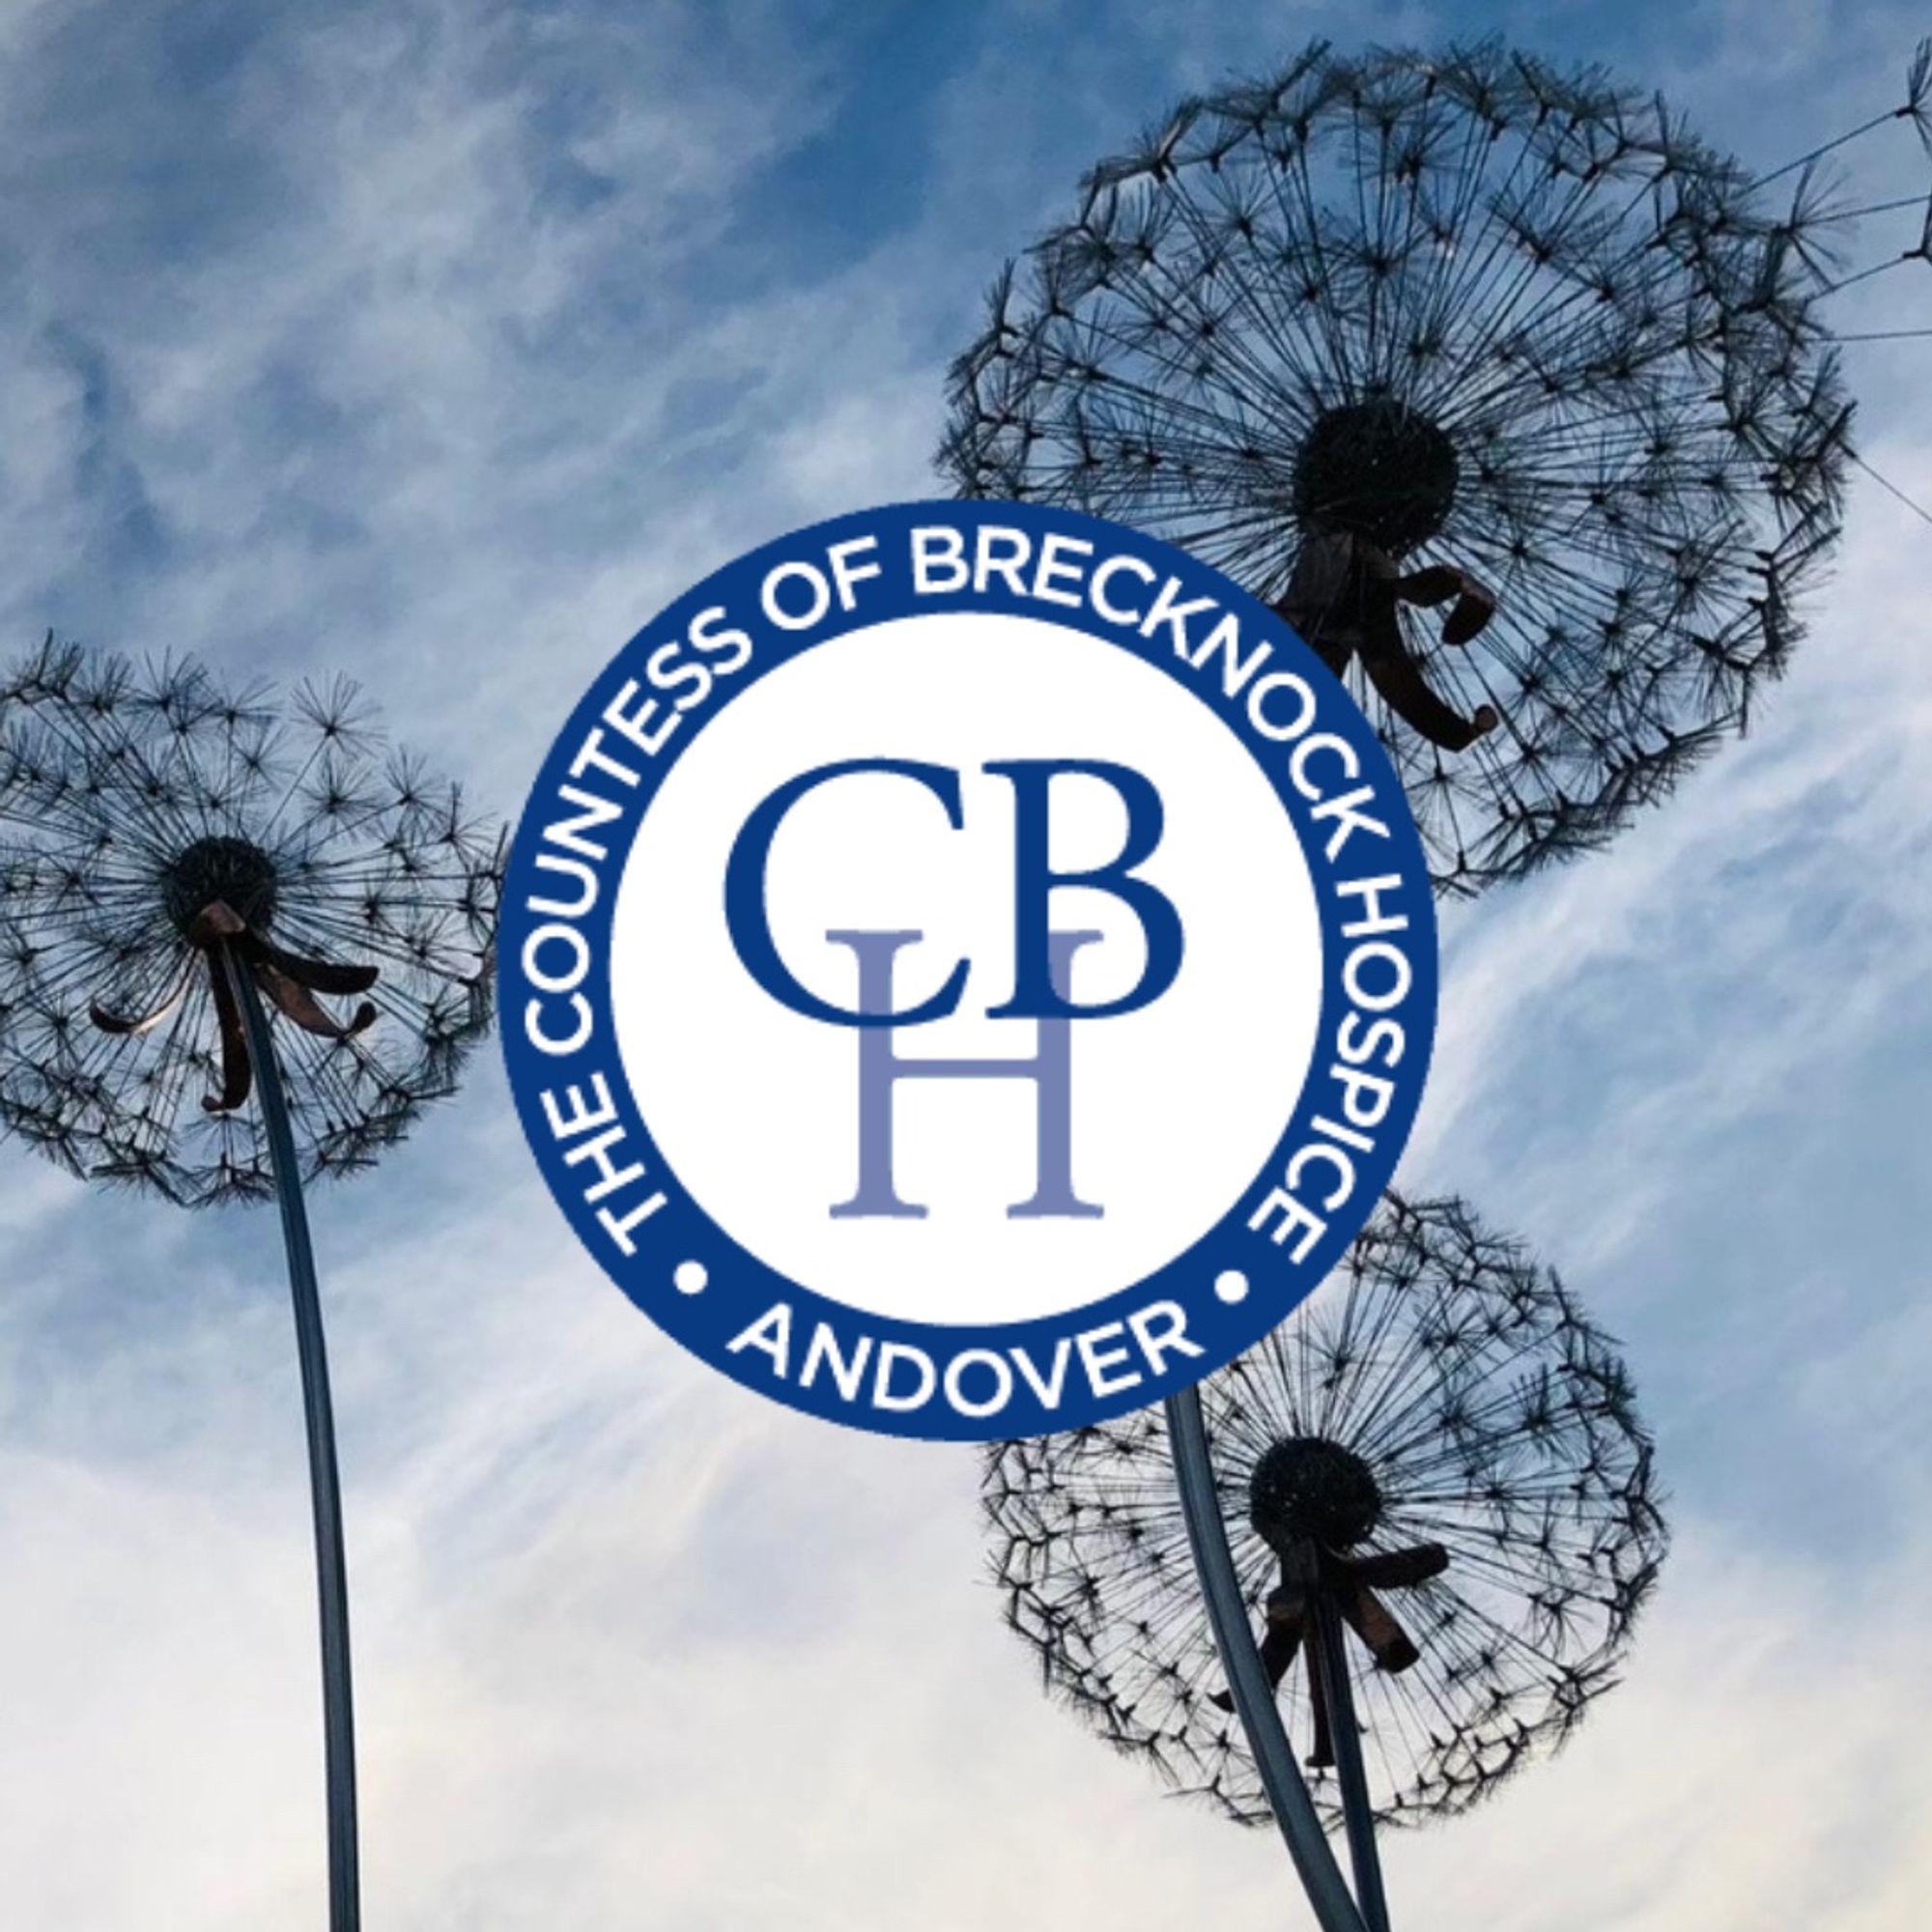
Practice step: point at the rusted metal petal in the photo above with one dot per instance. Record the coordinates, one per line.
(1322, 1752)
(320, 975)
(215, 922)
(299, 1005)
(125, 1025)
(1399, 679)
(1396, 1568)
(1371, 1619)
(238, 1074)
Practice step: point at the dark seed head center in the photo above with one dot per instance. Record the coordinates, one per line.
(233, 871)
(1377, 469)
(1306, 1489)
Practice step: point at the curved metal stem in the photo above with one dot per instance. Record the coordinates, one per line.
(1261, 1717)
(345, 1912)
(1359, 1814)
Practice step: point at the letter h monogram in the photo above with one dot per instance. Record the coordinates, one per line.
(881, 1067)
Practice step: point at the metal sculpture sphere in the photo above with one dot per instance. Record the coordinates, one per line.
(147, 815)
(1442, 1443)
(1389, 334)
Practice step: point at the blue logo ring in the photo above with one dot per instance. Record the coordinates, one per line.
(1085, 1365)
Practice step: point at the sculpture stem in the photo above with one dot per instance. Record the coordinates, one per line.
(1254, 1699)
(1331, 1659)
(344, 1913)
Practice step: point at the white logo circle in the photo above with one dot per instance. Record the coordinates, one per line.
(758, 1108)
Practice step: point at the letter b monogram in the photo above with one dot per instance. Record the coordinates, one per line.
(1037, 994)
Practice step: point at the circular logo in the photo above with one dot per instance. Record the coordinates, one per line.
(968, 970)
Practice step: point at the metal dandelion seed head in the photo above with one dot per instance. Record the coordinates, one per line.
(1441, 1443)
(155, 823)
(1512, 395)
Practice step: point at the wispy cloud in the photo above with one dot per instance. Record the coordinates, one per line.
(442, 344)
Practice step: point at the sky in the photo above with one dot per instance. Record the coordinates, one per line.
(442, 344)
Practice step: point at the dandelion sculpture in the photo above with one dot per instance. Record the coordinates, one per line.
(1443, 1520)
(1397, 336)
(192, 886)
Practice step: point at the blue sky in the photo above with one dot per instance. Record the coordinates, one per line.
(441, 344)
